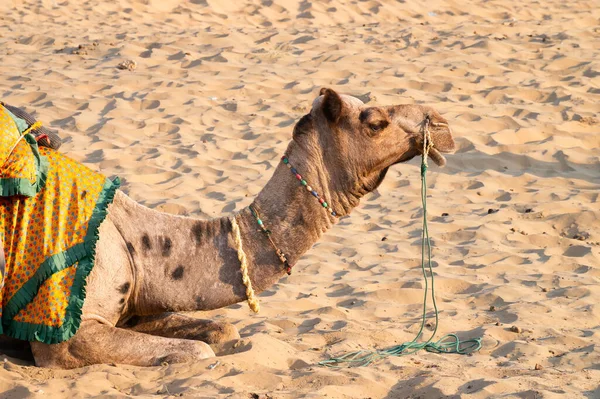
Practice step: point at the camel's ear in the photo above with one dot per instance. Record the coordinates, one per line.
(331, 105)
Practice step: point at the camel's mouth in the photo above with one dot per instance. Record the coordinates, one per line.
(443, 143)
(434, 154)
(437, 157)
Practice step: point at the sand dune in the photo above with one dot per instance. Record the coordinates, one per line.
(199, 125)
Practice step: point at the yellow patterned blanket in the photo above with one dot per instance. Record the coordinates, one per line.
(50, 210)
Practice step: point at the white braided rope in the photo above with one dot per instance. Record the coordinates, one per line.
(237, 237)
(427, 142)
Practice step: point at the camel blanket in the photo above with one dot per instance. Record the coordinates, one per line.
(50, 210)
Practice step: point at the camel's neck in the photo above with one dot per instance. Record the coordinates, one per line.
(184, 264)
(295, 217)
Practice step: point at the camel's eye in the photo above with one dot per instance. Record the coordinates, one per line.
(374, 120)
(377, 127)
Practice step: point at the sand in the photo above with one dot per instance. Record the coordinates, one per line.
(199, 124)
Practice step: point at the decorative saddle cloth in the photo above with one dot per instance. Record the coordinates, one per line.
(50, 210)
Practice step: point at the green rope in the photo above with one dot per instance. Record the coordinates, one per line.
(449, 343)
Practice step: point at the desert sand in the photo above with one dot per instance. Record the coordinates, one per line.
(199, 124)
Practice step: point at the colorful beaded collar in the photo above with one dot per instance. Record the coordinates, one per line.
(282, 257)
(322, 201)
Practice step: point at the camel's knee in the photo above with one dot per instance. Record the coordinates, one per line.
(220, 332)
(189, 352)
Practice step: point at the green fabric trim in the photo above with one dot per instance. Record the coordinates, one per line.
(21, 186)
(84, 253)
(72, 318)
(29, 290)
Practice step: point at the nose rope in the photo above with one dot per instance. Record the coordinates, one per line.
(427, 141)
(449, 343)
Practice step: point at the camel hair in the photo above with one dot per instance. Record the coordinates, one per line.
(151, 265)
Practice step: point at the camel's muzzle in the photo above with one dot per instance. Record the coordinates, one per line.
(441, 136)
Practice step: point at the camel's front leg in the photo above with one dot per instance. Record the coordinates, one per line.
(174, 325)
(100, 343)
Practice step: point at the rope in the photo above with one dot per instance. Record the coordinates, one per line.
(267, 233)
(449, 343)
(237, 237)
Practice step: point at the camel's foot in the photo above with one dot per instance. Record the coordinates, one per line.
(99, 343)
(174, 325)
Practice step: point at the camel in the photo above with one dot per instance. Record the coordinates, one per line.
(151, 265)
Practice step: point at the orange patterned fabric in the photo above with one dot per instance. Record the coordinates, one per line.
(49, 242)
(21, 163)
(50, 303)
(10, 134)
(22, 169)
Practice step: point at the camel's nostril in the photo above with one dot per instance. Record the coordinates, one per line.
(441, 135)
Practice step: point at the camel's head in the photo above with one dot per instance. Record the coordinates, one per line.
(366, 141)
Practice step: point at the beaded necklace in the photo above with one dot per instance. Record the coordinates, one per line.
(322, 201)
(267, 232)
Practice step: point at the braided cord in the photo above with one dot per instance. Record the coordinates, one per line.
(237, 237)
